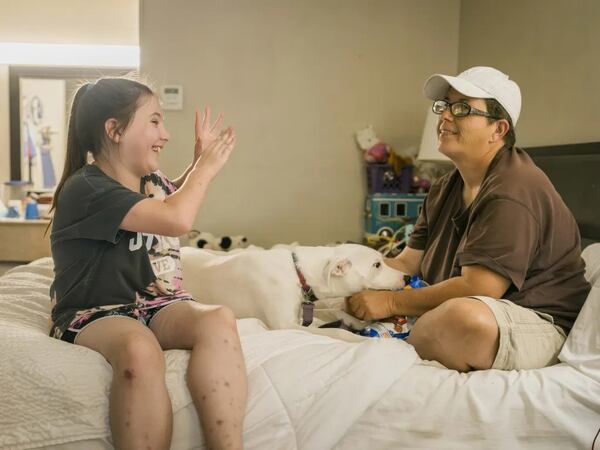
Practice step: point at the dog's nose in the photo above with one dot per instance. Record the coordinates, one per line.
(407, 279)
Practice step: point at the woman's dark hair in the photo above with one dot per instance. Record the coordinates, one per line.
(496, 110)
(93, 104)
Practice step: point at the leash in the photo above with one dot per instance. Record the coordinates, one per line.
(308, 295)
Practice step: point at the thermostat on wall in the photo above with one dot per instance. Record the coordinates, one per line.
(171, 96)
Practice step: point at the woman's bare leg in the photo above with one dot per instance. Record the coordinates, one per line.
(461, 333)
(140, 408)
(216, 374)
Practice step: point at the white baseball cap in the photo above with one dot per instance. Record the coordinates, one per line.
(478, 82)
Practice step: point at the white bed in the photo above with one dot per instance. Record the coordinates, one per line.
(305, 391)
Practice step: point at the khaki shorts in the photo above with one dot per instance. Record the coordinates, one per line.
(528, 339)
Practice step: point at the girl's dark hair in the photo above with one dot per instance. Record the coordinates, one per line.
(93, 104)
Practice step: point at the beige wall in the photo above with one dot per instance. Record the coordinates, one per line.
(296, 79)
(109, 22)
(4, 126)
(552, 49)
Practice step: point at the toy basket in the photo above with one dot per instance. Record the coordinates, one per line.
(381, 178)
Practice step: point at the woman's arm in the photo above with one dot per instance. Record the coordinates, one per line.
(408, 261)
(474, 280)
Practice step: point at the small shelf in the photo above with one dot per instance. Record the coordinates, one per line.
(23, 240)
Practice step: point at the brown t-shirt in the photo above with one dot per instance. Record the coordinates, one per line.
(517, 226)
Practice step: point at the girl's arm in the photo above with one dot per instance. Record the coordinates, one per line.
(181, 178)
(205, 134)
(175, 215)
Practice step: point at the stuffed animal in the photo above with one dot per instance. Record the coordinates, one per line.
(206, 240)
(227, 243)
(374, 149)
(420, 184)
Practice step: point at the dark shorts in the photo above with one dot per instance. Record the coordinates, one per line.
(141, 312)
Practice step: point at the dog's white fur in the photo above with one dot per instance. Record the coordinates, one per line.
(264, 283)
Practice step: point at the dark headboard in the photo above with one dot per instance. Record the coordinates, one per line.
(574, 169)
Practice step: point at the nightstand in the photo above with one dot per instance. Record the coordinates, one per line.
(23, 240)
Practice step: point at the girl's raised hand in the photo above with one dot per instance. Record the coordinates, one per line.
(216, 154)
(205, 133)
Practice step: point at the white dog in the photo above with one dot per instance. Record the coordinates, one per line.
(272, 285)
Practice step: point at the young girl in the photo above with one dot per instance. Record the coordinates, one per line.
(118, 285)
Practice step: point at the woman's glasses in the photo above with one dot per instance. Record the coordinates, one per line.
(459, 109)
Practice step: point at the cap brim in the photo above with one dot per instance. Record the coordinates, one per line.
(436, 87)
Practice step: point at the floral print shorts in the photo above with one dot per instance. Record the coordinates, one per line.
(142, 311)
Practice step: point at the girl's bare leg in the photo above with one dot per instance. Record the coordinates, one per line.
(216, 374)
(140, 408)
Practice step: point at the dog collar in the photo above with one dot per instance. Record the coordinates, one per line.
(308, 304)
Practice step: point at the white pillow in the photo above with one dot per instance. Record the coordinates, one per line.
(582, 347)
(591, 256)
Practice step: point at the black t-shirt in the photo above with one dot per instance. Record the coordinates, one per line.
(517, 226)
(96, 263)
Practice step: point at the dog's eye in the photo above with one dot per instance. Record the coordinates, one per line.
(377, 265)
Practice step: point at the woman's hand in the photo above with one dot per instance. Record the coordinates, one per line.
(372, 305)
(205, 133)
(214, 157)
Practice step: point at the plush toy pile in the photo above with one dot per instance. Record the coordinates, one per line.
(206, 240)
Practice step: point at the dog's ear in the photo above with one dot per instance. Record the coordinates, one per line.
(193, 234)
(340, 267)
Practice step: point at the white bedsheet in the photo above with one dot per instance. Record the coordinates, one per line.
(305, 391)
(432, 408)
(54, 392)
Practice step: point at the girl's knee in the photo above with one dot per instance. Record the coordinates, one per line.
(222, 317)
(217, 323)
(138, 355)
